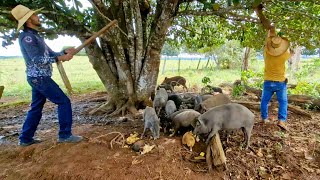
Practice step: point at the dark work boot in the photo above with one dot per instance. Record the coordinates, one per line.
(34, 141)
(71, 139)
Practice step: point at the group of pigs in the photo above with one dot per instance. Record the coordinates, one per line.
(210, 113)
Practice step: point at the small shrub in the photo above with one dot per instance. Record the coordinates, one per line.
(238, 90)
(252, 79)
(206, 80)
(306, 88)
(308, 69)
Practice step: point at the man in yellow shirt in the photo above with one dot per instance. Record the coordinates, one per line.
(276, 53)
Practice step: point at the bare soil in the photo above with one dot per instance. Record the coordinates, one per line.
(273, 154)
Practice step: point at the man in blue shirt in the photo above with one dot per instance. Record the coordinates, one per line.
(38, 59)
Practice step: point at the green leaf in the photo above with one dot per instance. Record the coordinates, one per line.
(236, 2)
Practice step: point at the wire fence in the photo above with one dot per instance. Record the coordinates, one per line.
(178, 64)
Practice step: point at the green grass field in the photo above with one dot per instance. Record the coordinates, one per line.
(80, 73)
(188, 69)
(84, 79)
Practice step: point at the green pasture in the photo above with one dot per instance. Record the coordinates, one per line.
(194, 75)
(84, 79)
(80, 73)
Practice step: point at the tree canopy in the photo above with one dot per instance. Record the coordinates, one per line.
(209, 23)
(197, 22)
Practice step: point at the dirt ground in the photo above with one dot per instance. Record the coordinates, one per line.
(273, 154)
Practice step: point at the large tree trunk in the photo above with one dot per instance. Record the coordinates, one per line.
(128, 66)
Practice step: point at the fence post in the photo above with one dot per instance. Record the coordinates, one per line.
(208, 62)
(1, 91)
(164, 65)
(198, 63)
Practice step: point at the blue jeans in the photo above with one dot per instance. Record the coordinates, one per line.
(45, 88)
(269, 88)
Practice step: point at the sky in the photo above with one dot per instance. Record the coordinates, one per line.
(55, 45)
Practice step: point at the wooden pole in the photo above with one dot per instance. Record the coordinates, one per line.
(207, 62)
(62, 72)
(1, 91)
(198, 63)
(95, 35)
(164, 65)
(64, 77)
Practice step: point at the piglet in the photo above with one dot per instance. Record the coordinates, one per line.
(170, 108)
(152, 122)
(225, 117)
(184, 119)
(175, 81)
(214, 101)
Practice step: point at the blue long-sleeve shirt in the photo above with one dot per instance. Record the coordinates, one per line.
(37, 55)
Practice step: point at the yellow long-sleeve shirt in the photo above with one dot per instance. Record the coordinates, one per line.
(274, 66)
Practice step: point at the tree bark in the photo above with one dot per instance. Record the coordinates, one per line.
(128, 66)
(294, 61)
(245, 62)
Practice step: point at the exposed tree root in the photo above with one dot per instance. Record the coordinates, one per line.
(123, 108)
(118, 139)
(118, 110)
(115, 107)
(103, 109)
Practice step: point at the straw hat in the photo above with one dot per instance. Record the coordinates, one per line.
(22, 14)
(277, 45)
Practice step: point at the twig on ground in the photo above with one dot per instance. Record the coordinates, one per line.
(118, 139)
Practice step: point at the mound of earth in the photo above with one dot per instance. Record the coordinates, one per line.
(273, 154)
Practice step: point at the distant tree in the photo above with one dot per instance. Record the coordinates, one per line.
(225, 56)
(309, 52)
(169, 50)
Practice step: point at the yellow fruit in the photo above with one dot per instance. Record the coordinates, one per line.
(132, 138)
(188, 139)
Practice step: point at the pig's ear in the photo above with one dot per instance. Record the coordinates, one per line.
(201, 122)
(198, 122)
(204, 108)
(194, 123)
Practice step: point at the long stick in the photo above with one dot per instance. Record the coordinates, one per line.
(62, 72)
(94, 36)
(64, 77)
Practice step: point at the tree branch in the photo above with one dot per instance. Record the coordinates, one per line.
(138, 36)
(223, 14)
(4, 12)
(188, 29)
(128, 16)
(94, 4)
(265, 22)
(298, 12)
